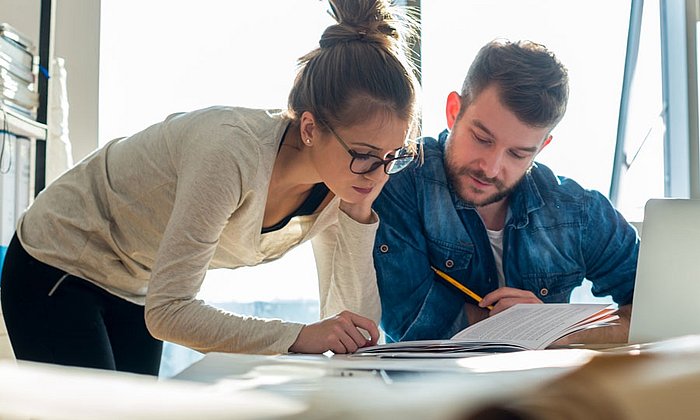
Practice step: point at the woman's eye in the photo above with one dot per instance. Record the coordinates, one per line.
(364, 156)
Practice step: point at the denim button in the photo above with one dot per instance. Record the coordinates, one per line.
(384, 248)
(544, 291)
(449, 263)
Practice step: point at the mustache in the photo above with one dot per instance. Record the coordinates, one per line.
(479, 175)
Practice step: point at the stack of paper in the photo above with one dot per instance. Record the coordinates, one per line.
(17, 75)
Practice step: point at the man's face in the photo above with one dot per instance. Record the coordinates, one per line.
(489, 149)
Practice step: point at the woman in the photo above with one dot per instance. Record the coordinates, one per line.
(129, 233)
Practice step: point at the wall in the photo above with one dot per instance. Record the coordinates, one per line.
(76, 39)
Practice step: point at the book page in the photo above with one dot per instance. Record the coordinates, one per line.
(533, 326)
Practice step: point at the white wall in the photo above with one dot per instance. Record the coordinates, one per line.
(76, 39)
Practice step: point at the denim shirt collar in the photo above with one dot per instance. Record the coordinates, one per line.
(524, 199)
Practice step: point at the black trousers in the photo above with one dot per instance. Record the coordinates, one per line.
(56, 318)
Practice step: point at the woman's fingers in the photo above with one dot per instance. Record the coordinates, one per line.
(342, 333)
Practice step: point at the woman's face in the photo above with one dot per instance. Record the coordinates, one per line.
(378, 137)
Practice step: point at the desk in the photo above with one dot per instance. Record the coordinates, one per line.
(233, 386)
(359, 388)
(665, 382)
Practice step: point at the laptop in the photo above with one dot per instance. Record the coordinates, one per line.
(667, 289)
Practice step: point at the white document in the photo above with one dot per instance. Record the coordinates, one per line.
(520, 327)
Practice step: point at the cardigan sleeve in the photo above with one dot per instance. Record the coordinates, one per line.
(347, 280)
(211, 183)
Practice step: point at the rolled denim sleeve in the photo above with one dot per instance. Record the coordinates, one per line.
(611, 248)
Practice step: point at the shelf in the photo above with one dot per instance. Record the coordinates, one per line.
(21, 125)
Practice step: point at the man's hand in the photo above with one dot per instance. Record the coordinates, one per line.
(340, 334)
(505, 297)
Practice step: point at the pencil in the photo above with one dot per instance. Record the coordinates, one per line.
(460, 286)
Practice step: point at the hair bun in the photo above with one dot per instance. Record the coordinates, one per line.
(370, 21)
(337, 36)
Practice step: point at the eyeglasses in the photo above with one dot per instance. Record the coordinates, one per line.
(363, 163)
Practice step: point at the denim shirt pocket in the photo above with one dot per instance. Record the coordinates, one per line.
(450, 257)
(552, 287)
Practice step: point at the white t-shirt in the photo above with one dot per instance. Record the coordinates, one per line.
(496, 239)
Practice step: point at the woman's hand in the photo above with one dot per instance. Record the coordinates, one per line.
(362, 210)
(340, 334)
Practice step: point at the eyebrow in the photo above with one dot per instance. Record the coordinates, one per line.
(371, 146)
(483, 128)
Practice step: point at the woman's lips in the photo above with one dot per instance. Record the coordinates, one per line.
(363, 190)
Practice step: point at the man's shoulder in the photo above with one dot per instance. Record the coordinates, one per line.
(550, 184)
(432, 154)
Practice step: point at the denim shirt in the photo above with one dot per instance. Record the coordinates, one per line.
(557, 234)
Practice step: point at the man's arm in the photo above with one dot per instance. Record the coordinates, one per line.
(610, 248)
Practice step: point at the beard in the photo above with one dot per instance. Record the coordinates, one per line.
(458, 174)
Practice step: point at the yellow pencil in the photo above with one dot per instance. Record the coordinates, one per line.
(460, 286)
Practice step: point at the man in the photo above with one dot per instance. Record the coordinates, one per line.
(482, 211)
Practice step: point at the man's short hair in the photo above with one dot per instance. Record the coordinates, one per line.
(532, 82)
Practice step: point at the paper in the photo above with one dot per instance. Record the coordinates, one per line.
(520, 327)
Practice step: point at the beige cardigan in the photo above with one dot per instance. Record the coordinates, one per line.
(144, 217)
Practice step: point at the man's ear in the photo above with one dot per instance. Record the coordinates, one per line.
(546, 142)
(454, 104)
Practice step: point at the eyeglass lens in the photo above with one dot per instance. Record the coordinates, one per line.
(362, 164)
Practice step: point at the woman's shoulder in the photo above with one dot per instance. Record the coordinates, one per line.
(217, 127)
(231, 116)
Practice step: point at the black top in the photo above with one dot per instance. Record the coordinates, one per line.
(309, 206)
(316, 196)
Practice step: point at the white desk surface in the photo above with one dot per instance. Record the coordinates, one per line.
(235, 386)
(357, 388)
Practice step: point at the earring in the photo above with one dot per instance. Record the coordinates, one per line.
(307, 141)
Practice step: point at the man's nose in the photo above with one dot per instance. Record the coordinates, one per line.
(491, 163)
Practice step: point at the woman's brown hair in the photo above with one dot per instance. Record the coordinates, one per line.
(361, 68)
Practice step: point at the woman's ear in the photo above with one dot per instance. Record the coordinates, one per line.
(454, 104)
(307, 127)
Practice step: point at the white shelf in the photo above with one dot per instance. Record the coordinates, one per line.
(21, 125)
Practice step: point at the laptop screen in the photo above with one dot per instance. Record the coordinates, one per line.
(667, 289)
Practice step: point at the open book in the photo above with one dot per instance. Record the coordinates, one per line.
(520, 327)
